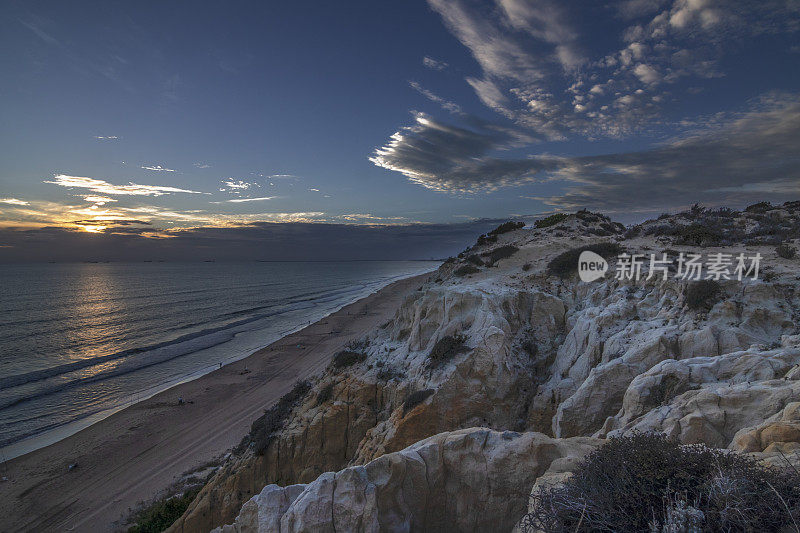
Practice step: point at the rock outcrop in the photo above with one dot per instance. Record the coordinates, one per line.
(544, 355)
(467, 480)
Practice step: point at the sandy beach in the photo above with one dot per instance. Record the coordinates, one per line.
(137, 453)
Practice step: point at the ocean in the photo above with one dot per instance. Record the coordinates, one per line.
(82, 339)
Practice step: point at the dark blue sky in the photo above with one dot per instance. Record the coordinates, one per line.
(227, 113)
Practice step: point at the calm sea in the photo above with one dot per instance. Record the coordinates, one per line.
(80, 339)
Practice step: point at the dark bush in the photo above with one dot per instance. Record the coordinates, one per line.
(162, 513)
(466, 269)
(387, 373)
(760, 207)
(563, 265)
(450, 259)
(648, 482)
(446, 348)
(502, 252)
(552, 220)
(347, 358)
(697, 235)
(475, 260)
(506, 227)
(786, 251)
(264, 428)
(526, 267)
(416, 398)
(702, 294)
(487, 239)
(325, 393)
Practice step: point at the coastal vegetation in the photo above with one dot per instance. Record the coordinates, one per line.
(264, 428)
(650, 482)
(566, 263)
(158, 516)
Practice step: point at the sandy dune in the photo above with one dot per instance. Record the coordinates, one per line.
(139, 451)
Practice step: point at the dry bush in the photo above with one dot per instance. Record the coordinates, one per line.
(552, 220)
(649, 482)
(502, 252)
(446, 348)
(702, 294)
(465, 270)
(563, 265)
(785, 251)
(506, 227)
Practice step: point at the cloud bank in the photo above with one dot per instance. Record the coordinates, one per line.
(744, 156)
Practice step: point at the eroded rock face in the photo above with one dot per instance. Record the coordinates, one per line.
(468, 480)
(544, 354)
(779, 433)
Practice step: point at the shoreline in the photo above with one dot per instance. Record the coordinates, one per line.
(137, 452)
(55, 434)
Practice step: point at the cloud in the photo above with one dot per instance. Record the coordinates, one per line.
(537, 71)
(313, 189)
(158, 168)
(237, 185)
(252, 199)
(99, 200)
(740, 158)
(445, 104)
(450, 158)
(104, 187)
(106, 138)
(13, 201)
(434, 64)
(201, 165)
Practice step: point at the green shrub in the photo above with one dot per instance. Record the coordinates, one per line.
(697, 235)
(347, 358)
(162, 513)
(325, 393)
(702, 294)
(502, 252)
(785, 251)
(387, 373)
(264, 428)
(446, 348)
(487, 239)
(416, 398)
(506, 227)
(475, 260)
(649, 482)
(563, 265)
(465, 270)
(552, 220)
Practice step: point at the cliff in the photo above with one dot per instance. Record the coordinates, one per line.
(504, 367)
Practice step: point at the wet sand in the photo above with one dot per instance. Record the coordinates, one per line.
(137, 453)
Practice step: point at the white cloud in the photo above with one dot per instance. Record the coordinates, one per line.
(13, 201)
(313, 190)
(106, 138)
(158, 168)
(434, 64)
(646, 73)
(251, 199)
(445, 104)
(105, 187)
(99, 200)
(237, 184)
(202, 165)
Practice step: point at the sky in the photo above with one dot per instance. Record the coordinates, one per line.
(144, 124)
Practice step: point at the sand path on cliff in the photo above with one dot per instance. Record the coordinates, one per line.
(139, 451)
